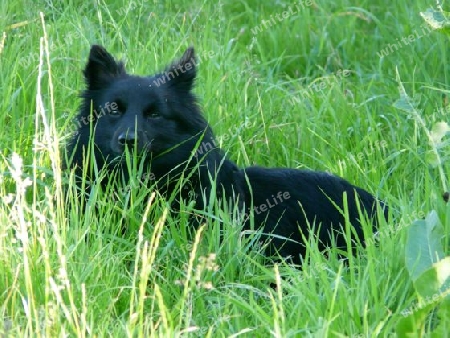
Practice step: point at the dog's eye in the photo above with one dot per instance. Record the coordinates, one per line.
(115, 112)
(117, 108)
(153, 114)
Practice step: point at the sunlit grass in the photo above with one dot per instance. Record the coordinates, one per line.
(69, 269)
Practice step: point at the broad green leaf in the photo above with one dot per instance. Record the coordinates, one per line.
(434, 288)
(437, 19)
(423, 245)
(405, 102)
(438, 132)
(432, 158)
(434, 284)
(413, 322)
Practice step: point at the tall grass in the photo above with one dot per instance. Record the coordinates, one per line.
(281, 99)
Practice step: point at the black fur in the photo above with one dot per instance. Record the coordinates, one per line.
(162, 121)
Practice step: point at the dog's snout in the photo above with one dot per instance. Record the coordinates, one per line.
(127, 138)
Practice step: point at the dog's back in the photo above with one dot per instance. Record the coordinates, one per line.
(292, 203)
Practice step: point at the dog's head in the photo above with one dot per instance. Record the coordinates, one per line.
(153, 115)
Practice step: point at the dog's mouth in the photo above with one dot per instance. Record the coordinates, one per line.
(133, 149)
(122, 157)
(128, 162)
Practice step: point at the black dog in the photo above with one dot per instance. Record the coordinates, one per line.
(157, 119)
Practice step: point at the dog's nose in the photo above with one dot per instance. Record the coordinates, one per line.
(127, 138)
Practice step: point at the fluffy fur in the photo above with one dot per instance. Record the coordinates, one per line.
(158, 119)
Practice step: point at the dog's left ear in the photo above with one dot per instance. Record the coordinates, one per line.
(181, 74)
(101, 68)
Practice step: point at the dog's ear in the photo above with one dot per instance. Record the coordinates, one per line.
(101, 68)
(181, 74)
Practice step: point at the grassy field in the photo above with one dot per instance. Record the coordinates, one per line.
(356, 90)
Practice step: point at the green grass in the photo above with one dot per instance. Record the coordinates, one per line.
(70, 272)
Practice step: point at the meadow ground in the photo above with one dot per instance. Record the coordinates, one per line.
(356, 90)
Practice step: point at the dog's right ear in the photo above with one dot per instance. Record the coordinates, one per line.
(101, 68)
(183, 71)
